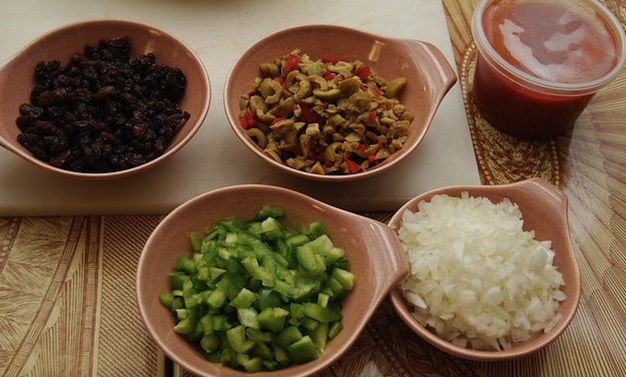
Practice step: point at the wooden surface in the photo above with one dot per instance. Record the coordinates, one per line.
(49, 265)
(219, 31)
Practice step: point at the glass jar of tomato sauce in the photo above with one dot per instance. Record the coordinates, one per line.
(540, 62)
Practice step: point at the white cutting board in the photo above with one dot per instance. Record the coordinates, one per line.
(219, 31)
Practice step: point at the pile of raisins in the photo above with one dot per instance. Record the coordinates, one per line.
(104, 111)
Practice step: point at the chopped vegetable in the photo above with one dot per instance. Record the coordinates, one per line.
(477, 278)
(247, 119)
(353, 167)
(313, 115)
(363, 71)
(257, 295)
(292, 63)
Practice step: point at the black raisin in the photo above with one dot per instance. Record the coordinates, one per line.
(104, 111)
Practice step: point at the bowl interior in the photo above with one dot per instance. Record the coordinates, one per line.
(375, 256)
(17, 78)
(544, 210)
(429, 78)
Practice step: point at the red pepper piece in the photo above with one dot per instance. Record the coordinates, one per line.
(281, 81)
(333, 59)
(353, 167)
(329, 76)
(310, 116)
(276, 120)
(377, 92)
(291, 63)
(381, 144)
(247, 120)
(362, 148)
(363, 71)
(371, 157)
(373, 116)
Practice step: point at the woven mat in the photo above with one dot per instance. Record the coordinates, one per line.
(67, 283)
(75, 270)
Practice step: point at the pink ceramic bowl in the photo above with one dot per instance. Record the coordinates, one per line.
(17, 81)
(544, 210)
(372, 248)
(429, 76)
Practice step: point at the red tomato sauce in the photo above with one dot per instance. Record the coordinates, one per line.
(551, 43)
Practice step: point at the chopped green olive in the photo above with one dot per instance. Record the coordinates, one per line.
(256, 295)
(335, 101)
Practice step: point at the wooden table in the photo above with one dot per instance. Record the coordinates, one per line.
(67, 303)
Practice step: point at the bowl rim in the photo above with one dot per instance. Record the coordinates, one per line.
(402, 309)
(172, 148)
(433, 52)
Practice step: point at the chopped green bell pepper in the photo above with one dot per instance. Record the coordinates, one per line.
(257, 295)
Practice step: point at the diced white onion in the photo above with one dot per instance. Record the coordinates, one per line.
(477, 278)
